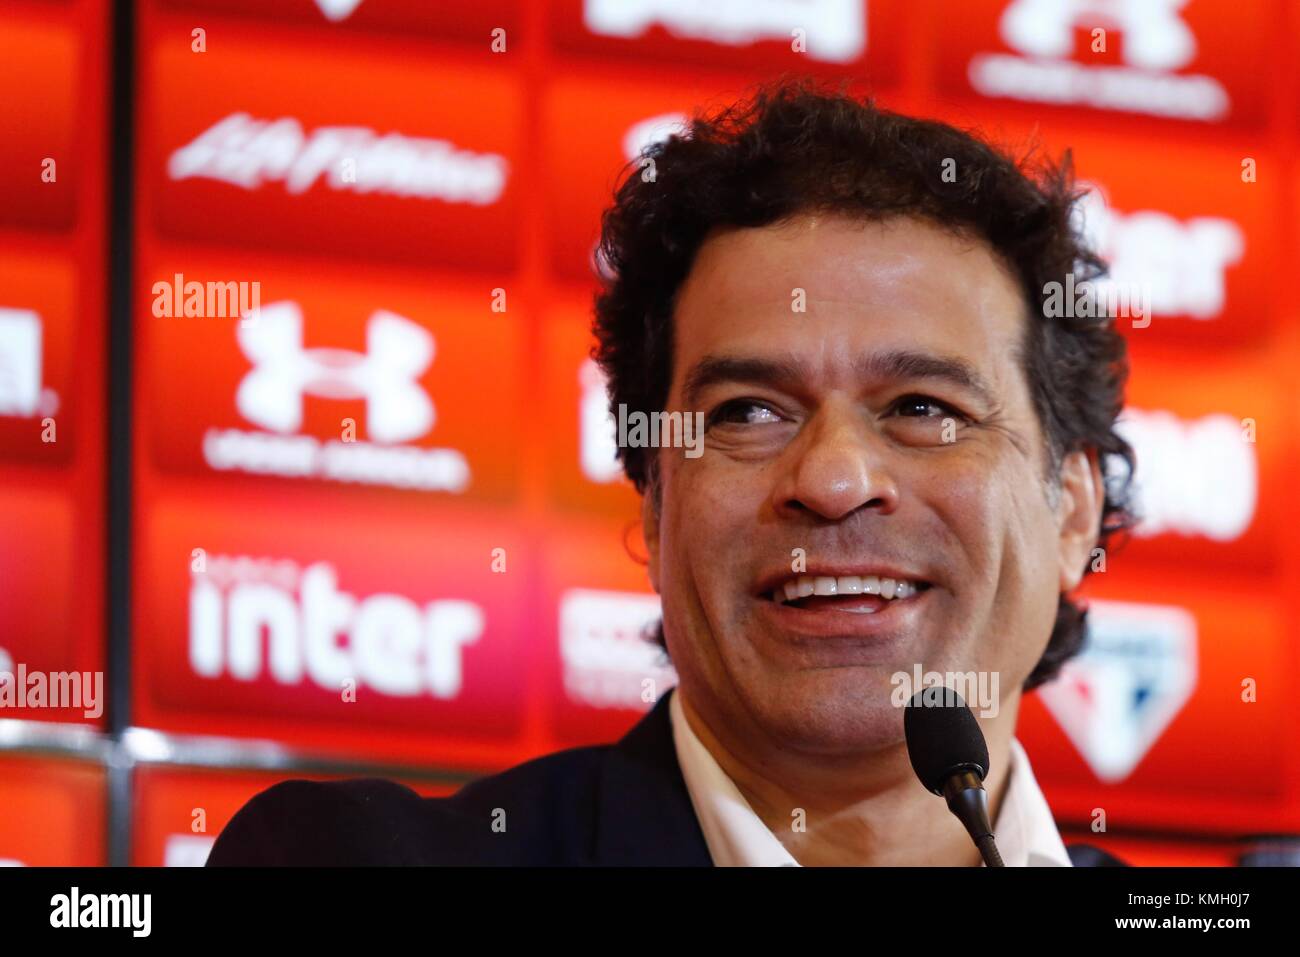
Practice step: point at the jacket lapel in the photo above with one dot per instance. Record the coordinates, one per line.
(644, 814)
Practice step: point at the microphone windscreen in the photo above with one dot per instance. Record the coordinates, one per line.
(942, 735)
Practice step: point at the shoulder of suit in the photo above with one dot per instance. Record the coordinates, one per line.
(540, 812)
(533, 811)
(320, 823)
(1089, 855)
(561, 775)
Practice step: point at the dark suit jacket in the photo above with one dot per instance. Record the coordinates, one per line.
(611, 804)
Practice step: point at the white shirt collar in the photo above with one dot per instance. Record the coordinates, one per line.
(737, 837)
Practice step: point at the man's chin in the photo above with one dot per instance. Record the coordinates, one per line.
(839, 711)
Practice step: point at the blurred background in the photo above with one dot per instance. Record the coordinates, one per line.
(304, 465)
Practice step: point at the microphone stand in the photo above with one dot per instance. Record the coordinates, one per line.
(966, 797)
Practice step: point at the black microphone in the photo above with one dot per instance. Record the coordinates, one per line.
(949, 755)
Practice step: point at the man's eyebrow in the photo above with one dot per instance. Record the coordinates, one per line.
(712, 370)
(784, 371)
(911, 364)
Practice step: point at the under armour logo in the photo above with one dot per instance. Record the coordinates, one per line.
(1155, 36)
(386, 375)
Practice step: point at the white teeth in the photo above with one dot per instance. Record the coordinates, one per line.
(804, 586)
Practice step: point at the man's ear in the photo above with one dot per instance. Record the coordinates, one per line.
(1078, 514)
(650, 532)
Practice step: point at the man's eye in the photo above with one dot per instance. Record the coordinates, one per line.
(921, 406)
(742, 412)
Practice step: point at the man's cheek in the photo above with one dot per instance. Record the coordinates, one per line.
(974, 510)
(712, 481)
(1027, 595)
(685, 566)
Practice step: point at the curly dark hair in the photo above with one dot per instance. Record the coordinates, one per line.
(795, 146)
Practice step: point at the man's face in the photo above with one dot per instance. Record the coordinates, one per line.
(866, 416)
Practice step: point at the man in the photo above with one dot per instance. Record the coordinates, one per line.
(908, 463)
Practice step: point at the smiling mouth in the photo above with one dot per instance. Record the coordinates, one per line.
(864, 595)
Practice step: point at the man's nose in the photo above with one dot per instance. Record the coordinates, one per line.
(838, 464)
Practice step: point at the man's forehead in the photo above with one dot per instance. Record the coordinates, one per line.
(896, 262)
(910, 289)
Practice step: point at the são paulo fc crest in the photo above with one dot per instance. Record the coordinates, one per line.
(1136, 671)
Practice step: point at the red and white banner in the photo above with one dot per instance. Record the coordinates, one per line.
(291, 147)
(1194, 61)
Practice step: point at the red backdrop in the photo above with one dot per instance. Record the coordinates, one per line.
(378, 521)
